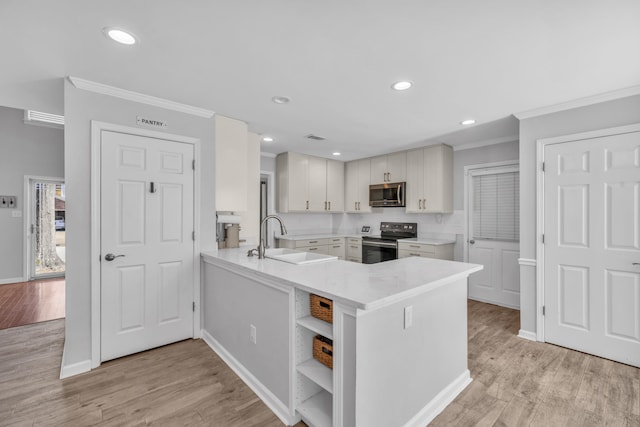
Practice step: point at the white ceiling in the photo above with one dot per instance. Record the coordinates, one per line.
(335, 59)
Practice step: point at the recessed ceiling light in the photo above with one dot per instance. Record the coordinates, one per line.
(467, 122)
(120, 35)
(267, 139)
(281, 99)
(402, 85)
(336, 153)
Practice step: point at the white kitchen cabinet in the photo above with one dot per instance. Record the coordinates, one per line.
(231, 137)
(335, 185)
(354, 249)
(336, 247)
(357, 178)
(389, 168)
(430, 179)
(309, 184)
(407, 249)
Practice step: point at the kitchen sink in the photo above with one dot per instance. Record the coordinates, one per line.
(297, 257)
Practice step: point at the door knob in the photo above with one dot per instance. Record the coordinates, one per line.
(472, 241)
(111, 257)
(635, 263)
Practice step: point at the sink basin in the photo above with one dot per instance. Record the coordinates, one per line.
(297, 257)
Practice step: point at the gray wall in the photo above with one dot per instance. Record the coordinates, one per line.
(80, 108)
(476, 156)
(24, 150)
(604, 115)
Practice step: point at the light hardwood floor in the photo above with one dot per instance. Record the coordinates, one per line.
(516, 382)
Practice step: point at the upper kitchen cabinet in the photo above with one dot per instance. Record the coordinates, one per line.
(430, 179)
(357, 178)
(232, 152)
(389, 168)
(309, 184)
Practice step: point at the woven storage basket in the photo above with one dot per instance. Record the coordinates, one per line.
(321, 308)
(323, 350)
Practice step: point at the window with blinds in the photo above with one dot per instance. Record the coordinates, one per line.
(496, 206)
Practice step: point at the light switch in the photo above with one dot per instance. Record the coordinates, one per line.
(16, 214)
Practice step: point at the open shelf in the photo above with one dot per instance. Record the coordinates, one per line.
(318, 410)
(318, 326)
(318, 373)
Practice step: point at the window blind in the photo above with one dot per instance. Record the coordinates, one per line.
(496, 206)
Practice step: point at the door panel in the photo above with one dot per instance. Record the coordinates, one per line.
(592, 234)
(147, 217)
(493, 231)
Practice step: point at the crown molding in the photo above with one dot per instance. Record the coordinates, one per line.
(478, 144)
(141, 98)
(580, 102)
(265, 154)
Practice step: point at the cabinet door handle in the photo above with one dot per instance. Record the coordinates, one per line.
(424, 203)
(421, 206)
(313, 241)
(307, 205)
(336, 246)
(312, 249)
(411, 253)
(414, 246)
(329, 204)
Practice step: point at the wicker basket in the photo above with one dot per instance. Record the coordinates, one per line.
(321, 308)
(323, 350)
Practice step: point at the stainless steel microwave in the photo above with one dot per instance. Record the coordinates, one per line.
(391, 194)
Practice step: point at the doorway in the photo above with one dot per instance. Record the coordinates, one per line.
(493, 232)
(46, 227)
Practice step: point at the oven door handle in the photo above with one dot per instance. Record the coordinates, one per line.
(379, 244)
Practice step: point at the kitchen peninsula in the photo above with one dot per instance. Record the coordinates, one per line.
(399, 335)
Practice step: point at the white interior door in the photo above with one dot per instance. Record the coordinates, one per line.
(592, 246)
(493, 230)
(147, 224)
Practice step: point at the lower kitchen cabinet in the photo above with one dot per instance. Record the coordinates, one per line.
(354, 249)
(407, 249)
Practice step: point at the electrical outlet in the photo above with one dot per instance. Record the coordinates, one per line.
(252, 333)
(8, 202)
(408, 317)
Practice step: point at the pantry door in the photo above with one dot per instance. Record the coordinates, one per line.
(592, 245)
(147, 247)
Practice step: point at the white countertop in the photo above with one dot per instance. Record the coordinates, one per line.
(423, 240)
(429, 241)
(364, 286)
(318, 236)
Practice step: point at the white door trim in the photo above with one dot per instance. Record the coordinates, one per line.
(27, 213)
(96, 129)
(541, 144)
(467, 176)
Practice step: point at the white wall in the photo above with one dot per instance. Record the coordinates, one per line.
(24, 150)
(80, 108)
(599, 116)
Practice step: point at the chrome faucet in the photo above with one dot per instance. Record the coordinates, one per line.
(261, 247)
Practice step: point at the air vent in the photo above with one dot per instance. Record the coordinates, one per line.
(43, 119)
(316, 137)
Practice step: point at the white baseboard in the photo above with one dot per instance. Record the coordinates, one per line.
(527, 335)
(269, 399)
(67, 371)
(442, 399)
(12, 280)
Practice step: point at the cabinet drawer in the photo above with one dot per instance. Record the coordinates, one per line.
(417, 247)
(354, 240)
(354, 250)
(404, 253)
(354, 259)
(335, 240)
(311, 242)
(337, 250)
(323, 249)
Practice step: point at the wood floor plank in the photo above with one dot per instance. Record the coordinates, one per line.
(516, 383)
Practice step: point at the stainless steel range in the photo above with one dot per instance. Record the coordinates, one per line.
(385, 247)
